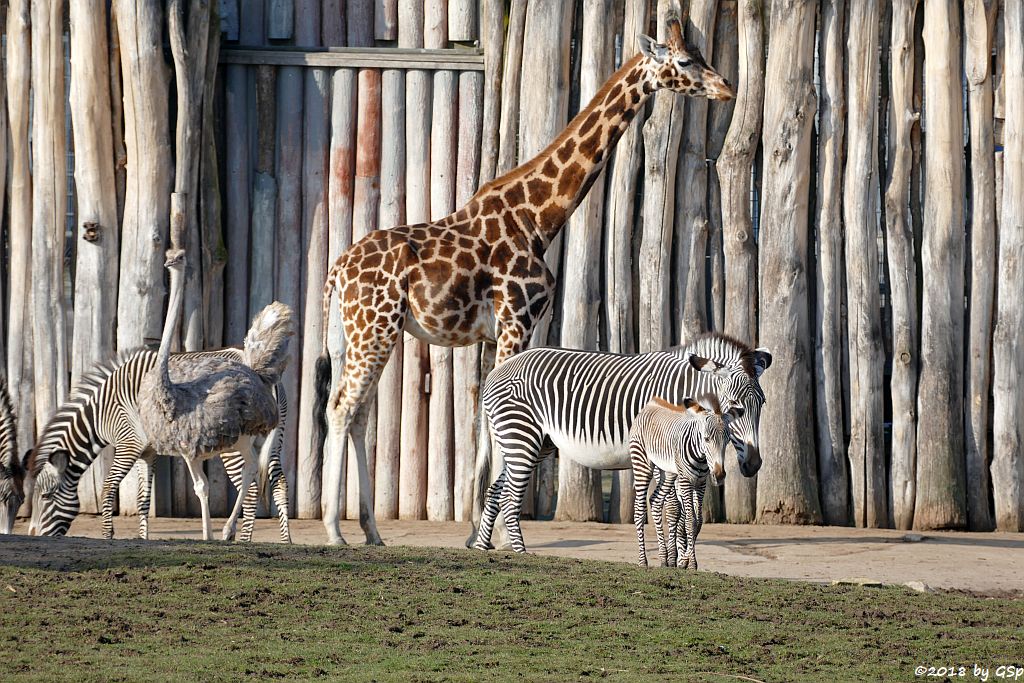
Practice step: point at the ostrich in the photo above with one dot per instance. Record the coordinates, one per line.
(198, 407)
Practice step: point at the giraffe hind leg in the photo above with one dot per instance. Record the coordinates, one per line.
(366, 354)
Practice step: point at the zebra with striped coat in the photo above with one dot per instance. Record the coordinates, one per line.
(682, 443)
(103, 411)
(583, 403)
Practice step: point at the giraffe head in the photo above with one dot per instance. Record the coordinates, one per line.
(681, 67)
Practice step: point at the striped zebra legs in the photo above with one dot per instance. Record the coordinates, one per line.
(643, 471)
(665, 511)
(147, 472)
(520, 444)
(125, 457)
(691, 498)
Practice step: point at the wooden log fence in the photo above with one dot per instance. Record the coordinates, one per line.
(863, 221)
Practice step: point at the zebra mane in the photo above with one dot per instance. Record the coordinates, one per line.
(88, 385)
(721, 348)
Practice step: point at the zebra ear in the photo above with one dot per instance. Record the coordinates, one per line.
(60, 459)
(701, 364)
(762, 360)
(26, 459)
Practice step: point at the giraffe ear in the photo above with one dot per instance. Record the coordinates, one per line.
(651, 48)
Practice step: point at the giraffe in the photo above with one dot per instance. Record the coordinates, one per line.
(479, 274)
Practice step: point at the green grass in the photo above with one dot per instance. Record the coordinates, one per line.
(182, 610)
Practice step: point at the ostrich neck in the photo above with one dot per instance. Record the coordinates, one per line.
(170, 326)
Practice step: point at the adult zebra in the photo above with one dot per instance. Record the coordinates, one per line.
(102, 411)
(583, 403)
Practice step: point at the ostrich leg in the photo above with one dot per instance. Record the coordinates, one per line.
(202, 489)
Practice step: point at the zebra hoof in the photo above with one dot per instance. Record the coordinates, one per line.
(375, 541)
(479, 545)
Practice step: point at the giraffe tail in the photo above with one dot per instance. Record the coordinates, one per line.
(323, 368)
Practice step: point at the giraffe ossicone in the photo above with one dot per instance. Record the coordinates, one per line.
(479, 274)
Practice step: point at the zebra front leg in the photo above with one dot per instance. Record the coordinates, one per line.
(490, 513)
(641, 482)
(125, 457)
(147, 478)
(662, 514)
(686, 499)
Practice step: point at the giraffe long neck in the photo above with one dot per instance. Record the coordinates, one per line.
(551, 185)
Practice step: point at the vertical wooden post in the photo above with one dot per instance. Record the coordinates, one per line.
(237, 198)
(830, 271)
(19, 342)
(288, 248)
(1008, 346)
(341, 203)
(466, 373)
(787, 487)
(264, 193)
(385, 19)
(412, 478)
(579, 488)
(493, 43)
(903, 273)
(979, 27)
(392, 213)
(867, 460)
(147, 187)
(49, 191)
(940, 501)
(98, 233)
(440, 504)
(720, 115)
(691, 235)
(462, 20)
(620, 217)
(546, 42)
(315, 158)
(662, 134)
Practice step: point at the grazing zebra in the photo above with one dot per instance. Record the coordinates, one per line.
(584, 403)
(102, 411)
(683, 443)
(12, 468)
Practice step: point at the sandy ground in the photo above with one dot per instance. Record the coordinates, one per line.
(984, 563)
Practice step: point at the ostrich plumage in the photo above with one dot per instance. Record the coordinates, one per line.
(198, 407)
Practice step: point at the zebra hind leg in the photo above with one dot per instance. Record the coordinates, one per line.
(490, 513)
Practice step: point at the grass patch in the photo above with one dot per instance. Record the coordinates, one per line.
(187, 610)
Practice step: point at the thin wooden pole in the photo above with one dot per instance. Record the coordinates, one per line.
(412, 479)
(691, 216)
(315, 159)
(98, 234)
(467, 359)
(341, 203)
(787, 488)
(941, 501)
(579, 488)
(1008, 346)
(49, 165)
(440, 504)
(903, 275)
(867, 464)
(19, 328)
(979, 29)
(392, 212)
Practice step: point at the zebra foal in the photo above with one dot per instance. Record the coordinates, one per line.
(583, 403)
(682, 443)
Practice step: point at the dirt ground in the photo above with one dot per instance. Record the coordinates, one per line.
(984, 563)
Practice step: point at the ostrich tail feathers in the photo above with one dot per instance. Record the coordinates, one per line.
(266, 344)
